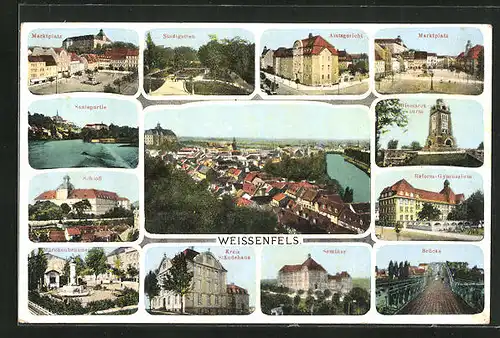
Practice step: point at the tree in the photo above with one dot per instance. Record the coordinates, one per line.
(65, 208)
(429, 213)
(178, 278)
(480, 146)
(480, 64)
(151, 287)
(310, 304)
(95, 260)
(392, 144)
(300, 292)
(388, 113)
(37, 264)
(117, 268)
(390, 270)
(327, 293)
(44, 211)
(296, 301)
(79, 266)
(415, 145)
(348, 195)
(81, 206)
(132, 272)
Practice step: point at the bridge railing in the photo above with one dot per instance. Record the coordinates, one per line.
(471, 292)
(394, 295)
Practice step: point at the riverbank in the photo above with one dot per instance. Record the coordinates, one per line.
(360, 165)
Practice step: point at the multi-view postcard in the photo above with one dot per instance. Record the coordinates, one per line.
(429, 204)
(90, 206)
(83, 281)
(315, 280)
(200, 280)
(83, 132)
(67, 60)
(199, 61)
(261, 168)
(443, 60)
(427, 131)
(434, 279)
(314, 62)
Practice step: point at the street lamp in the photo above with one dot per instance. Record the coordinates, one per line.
(432, 83)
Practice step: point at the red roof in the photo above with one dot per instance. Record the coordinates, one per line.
(250, 176)
(283, 52)
(309, 263)
(232, 288)
(249, 188)
(446, 195)
(473, 53)
(315, 45)
(91, 58)
(243, 202)
(234, 171)
(57, 236)
(74, 57)
(47, 195)
(279, 197)
(339, 276)
(73, 231)
(279, 185)
(80, 194)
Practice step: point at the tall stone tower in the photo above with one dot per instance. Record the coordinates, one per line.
(440, 128)
(64, 189)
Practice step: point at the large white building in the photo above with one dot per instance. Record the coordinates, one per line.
(101, 201)
(311, 275)
(210, 293)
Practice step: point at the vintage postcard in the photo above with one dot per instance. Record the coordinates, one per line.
(315, 280)
(221, 173)
(200, 280)
(83, 281)
(441, 60)
(84, 207)
(429, 205)
(429, 131)
(199, 61)
(314, 62)
(257, 171)
(67, 60)
(83, 132)
(431, 279)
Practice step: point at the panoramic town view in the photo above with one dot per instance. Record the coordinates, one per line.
(252, 172)
(199, 61)
(429, 131)
(84, 207)
(83, 132)
(83, 281)
(66, 60)
(315, 280)
(429, 204)
(314, 62)
(436, 279)
(449, 60)
(200, 281)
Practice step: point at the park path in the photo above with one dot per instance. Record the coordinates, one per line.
(171, 88)
(437, 298)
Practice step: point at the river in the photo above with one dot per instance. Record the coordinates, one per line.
(76, 154)
(350, 176)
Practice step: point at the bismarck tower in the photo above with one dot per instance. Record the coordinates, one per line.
(440, 128)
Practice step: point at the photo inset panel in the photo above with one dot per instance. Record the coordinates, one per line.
(200, 280)
(316, 280)
(433, 279)
(67, 60)
(199, 61)
(446, 60)
(257, 168)
(429, 205)
(83, 132)
(83, 281)
(314, 62)
(84, 207)
(429, 131)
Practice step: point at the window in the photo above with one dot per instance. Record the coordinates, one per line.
(199, 299)
(400, 217)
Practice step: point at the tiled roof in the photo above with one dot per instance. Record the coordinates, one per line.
(446, 195)
(249, 188)
(190, 253)
(315, 45)
(339, 276)
(243, 202)
(473, 53)
(235, 289)
(279, 197)
(283, 52)
(309, 263)
(73, 231)
(309, 195)
(250, 176)
(57, 236)
(48, 59)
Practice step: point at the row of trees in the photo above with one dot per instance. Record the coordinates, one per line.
(472, 209)
(220, 56)
(357, 302)
(122, 133)
(461, 270)
(397, 271)
(94, 263)
(175, 203)
(47, 210)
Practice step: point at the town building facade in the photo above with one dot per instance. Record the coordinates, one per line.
(440, 128)
(209, 294)
(87, 42)
(311, 275)
(157, 136)
(402, 202)
(101, 201)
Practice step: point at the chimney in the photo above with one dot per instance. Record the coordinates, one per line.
(310, 35)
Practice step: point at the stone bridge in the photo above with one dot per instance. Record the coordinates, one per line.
(446, 225)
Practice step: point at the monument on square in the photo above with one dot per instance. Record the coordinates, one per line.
(73, 289)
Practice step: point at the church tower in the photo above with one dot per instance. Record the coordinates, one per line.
(440, 128)
(64, 189)
(234, 145)
(468, 46)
